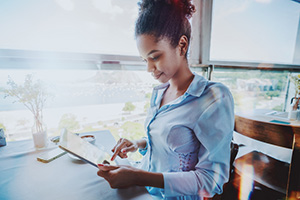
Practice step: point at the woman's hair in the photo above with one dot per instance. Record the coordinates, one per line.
(165, 18)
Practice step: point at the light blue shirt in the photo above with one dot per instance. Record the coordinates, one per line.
(188, 140)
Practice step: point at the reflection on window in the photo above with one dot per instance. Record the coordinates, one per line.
(90, 100)
(261, 31)
(254, 89)
(82, 101)
(89, 26)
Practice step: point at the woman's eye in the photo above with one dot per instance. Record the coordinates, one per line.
(155, 58)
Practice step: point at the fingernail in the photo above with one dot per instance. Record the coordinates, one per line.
(123, 151)
(100, 165)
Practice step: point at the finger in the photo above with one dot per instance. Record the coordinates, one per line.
(106, 167)
(102, 173)
(114, 155)
(114, 150)
(123, 155)
(119, 141)
(105, 162)
(118, 150)
(131, 148)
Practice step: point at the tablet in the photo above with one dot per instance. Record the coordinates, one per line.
(84, 150)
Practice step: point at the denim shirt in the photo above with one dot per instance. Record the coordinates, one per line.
(188, 140)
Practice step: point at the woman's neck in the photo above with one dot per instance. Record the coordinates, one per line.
(182, 79)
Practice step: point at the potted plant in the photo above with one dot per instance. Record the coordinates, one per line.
(294, 112)
(33, 95)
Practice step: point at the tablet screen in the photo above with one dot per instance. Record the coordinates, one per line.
(83, 149)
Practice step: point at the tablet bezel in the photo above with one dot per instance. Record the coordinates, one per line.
(64, 131)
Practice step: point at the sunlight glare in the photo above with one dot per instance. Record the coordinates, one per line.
(246, 184)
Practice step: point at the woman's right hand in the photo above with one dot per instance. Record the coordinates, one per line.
(124, 146)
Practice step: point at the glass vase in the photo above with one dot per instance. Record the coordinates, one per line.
(39, 134)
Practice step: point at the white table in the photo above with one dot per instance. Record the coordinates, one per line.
(23, 177)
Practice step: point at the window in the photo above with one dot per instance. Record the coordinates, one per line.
(255, 89)
(255, 31)
(81, 100)
(87, 58)
(85, 54)
(69, 26)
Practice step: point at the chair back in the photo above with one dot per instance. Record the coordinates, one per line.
(272, 133)
(264, 129)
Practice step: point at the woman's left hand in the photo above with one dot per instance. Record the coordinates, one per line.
(118, 176)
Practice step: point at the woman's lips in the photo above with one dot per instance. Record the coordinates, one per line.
(156, 76)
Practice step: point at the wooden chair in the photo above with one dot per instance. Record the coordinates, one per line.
(270, 172)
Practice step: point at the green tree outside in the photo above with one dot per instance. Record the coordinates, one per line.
(146, 106)
(272, 94)
(148, 95)
(89, 128)
(278, 108)
(133, 131)
(69, 122)
(129, 107)
(2, 126)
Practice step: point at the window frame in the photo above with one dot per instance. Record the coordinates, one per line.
(65, 60)
(200, 47)
(198, 55)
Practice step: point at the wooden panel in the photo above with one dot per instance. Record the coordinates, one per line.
(266, 170)
(273, 133)
(294, 172)
(270, 172)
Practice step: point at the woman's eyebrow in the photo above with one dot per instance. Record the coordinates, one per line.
(152, 51)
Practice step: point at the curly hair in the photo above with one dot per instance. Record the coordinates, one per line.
(165, 18)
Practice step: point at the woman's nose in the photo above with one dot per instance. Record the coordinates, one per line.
(150, 67)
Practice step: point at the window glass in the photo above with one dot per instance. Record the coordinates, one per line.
(260, 31)
(80, 100)
(255, 89)
(89, 26)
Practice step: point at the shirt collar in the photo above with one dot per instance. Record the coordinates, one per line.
(196, 87)
(162, 86)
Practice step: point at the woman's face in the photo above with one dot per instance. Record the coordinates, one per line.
(163, 60)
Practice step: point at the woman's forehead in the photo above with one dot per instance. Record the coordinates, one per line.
(148, 43)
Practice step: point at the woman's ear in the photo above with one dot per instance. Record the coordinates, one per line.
(183, 45)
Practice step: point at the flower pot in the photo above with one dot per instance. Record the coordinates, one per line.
(39, 135)
(2, 138)
(40, 140)
(293, 115)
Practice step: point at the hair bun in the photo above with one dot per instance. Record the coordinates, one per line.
(185, 6)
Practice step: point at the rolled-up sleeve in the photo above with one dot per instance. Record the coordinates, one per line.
(144, 150)
(214, 130)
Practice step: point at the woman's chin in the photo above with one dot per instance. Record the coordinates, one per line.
(161, 80)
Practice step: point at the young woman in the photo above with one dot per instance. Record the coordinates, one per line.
(190, 122)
